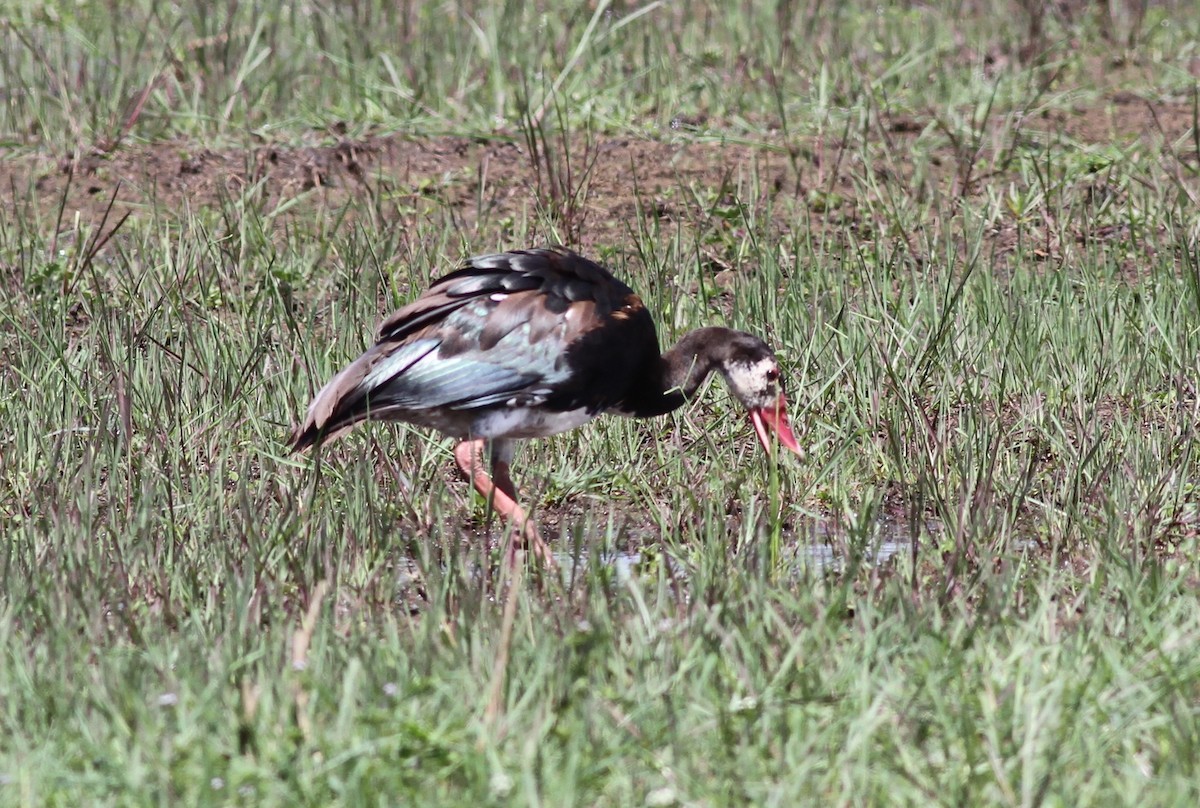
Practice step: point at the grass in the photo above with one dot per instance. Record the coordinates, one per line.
(980, 271)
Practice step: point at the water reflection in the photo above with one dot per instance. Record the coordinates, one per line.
(818, 546)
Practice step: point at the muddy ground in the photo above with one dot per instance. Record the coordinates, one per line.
(485, 182)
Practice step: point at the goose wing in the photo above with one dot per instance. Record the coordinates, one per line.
(527, 329)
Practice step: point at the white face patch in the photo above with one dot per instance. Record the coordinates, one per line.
(756, 384)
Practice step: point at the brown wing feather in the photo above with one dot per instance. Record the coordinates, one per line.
(339, 404)
(583, 335)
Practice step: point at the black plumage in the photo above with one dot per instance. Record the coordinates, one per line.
(526, 344)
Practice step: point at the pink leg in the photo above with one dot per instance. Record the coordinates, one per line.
(501, 495)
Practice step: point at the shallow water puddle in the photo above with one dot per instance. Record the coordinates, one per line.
(820, 546)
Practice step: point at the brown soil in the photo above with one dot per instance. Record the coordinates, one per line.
(484, 183)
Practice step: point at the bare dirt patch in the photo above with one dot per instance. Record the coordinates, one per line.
(482, 181)
(475, 178)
